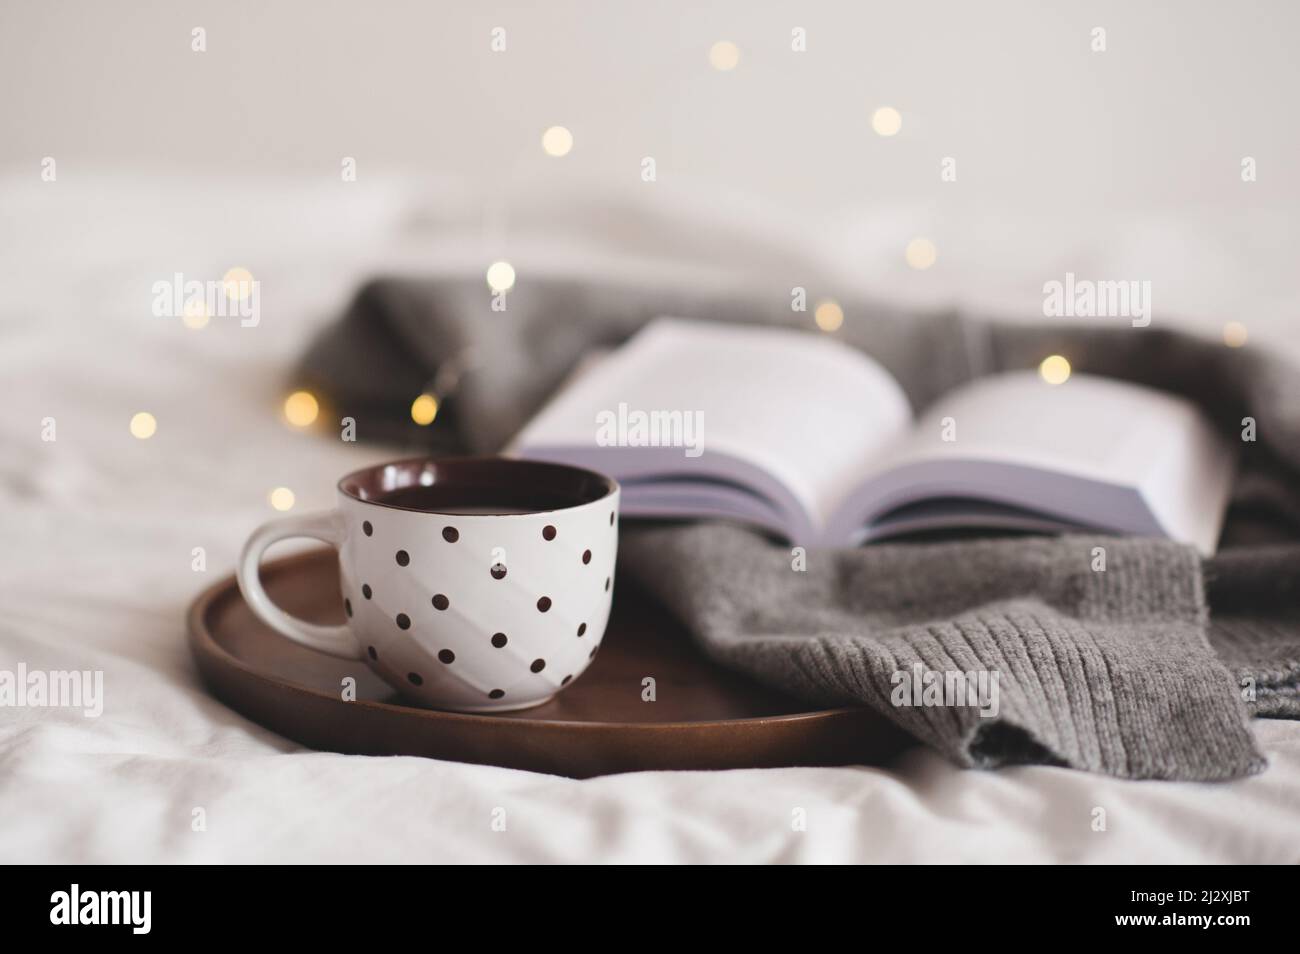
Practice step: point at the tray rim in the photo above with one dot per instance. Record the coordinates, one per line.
(208, 652)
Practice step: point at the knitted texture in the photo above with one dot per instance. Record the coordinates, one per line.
(1106, 670)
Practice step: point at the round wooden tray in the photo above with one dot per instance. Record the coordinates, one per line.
(703, 717)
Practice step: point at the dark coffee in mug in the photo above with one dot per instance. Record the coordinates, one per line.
(470, 500)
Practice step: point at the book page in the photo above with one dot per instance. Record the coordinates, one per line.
(806, 410)
(1065, 449)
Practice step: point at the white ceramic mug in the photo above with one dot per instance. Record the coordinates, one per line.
(473, 584)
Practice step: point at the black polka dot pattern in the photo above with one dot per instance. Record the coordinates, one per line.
(442, 602)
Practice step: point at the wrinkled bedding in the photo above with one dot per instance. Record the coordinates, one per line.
(99, 564)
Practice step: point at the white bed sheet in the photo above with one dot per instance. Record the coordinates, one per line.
(95, 573)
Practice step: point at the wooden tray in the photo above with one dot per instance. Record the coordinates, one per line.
(703, 717)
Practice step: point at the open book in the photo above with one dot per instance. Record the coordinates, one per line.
(814, 441)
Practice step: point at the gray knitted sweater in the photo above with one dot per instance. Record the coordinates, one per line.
(1149, 668)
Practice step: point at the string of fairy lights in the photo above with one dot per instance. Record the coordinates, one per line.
(301, 409)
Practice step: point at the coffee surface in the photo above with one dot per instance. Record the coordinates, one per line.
(464, 499)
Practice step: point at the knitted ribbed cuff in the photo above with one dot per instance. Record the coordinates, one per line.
(1092, 651)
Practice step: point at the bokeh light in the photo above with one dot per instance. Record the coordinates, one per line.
(237, 283)
(143, 425)
(424, 409)
(921, 253)
(724, 56)
(195, 314)
(301, 408)
(886, 121)
(1054, 369)
(501, 276)
(557, 141)
(829, 316)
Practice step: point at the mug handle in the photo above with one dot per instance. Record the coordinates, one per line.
(326, 527)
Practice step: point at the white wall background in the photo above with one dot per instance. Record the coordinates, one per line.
(1121, 164)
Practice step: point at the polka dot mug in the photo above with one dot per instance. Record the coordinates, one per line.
(471, 584)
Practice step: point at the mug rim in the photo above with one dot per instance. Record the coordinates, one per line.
(349, 484)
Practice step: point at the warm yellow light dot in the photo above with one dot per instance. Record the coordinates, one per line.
(724, 55)
(921, 253)
(557, 141)
(301, 408)
(1234, 334)
(829, 316)
(282, 498)
(424, 409)
(143, 426)
(1054, 369)
(237, 284)
(195, 314)
(886, 121)
(501, 276)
